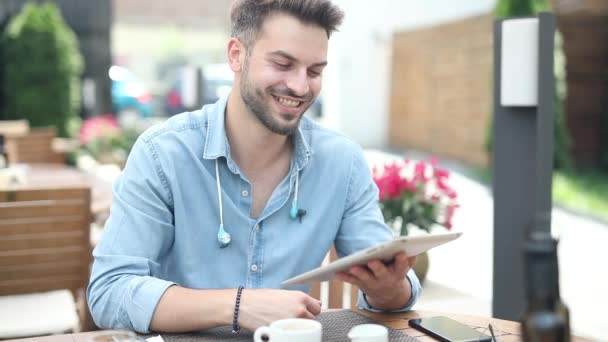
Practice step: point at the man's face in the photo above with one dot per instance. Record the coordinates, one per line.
(282, 74)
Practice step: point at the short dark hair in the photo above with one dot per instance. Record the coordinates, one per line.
(247, 16)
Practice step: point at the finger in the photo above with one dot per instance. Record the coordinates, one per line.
(342, 276)
(395, 260)
(378, 269)
(362, 274)
(304, 313)
(402, 264)
(309, 315)
(318, 301)
(313, 306)
(348, 278)
(412, 261)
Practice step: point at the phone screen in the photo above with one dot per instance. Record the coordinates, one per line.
(447, 329)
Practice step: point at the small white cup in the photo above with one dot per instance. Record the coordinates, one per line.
(290, 330)
(114, 336)
(368, 333)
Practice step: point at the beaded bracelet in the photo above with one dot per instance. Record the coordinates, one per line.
(235, 318)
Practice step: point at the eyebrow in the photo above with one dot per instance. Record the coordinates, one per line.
(284, 54)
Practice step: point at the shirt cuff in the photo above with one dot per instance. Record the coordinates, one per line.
(416, 292)
(145, 293)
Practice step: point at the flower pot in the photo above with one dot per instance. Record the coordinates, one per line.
(422, 266)
(422, 261)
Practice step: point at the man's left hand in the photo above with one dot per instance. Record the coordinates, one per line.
(385, 286)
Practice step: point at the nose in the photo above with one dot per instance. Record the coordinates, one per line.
(298, 82)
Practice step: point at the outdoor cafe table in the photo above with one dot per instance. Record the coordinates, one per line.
(47, 176)
(503, 330)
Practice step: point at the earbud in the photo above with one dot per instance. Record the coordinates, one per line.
(223, 237)
(301, 213)
(293, 213)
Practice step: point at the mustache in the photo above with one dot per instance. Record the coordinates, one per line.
(284, 91)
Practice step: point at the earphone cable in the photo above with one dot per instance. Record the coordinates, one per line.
(219, 191)
(295, 197)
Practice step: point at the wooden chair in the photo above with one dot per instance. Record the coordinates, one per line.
(45, 257)
(336, 290)
(11, 128)
(35, 146)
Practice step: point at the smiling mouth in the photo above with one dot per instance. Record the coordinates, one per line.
(288, 102)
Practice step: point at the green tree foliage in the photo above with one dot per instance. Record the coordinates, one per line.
(561, 149)
(42, 68)
(516, 8)
(604, 137)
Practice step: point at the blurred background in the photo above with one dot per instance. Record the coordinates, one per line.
(80, 80)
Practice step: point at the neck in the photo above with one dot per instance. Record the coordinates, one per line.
(252, 145)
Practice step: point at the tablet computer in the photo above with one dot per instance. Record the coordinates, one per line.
(411, 245)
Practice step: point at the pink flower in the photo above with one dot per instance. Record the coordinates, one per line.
(450, 210)
(417, 192)
(419, 171)
(445, 188)
(99, 126)
(450, 193)
(441, 173)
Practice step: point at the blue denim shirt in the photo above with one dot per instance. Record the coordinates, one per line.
(165, 216)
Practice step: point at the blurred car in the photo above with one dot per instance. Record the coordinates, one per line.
(216, 82)
(315, 111)
(130, 97)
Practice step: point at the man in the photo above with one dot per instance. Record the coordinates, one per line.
(245, 192)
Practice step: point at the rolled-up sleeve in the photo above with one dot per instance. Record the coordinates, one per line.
(362, 224)
(123, 291)
(416, 292)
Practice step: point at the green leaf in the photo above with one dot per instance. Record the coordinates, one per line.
(42, 68)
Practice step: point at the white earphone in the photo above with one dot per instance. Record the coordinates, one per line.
(223, 237)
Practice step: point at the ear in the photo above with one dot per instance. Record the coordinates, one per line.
(236, 54)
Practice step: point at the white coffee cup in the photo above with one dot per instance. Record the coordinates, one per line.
(290, 330)
(368, 333)
(114, 336)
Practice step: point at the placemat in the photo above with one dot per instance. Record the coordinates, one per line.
(336, 325)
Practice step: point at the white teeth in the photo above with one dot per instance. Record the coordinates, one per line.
(288, 103)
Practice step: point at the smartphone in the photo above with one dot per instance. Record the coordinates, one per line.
(448, 330)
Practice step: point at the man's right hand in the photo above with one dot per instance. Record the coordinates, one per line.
(262, 306)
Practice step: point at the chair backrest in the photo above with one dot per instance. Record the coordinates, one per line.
(10, 128)
(336, 290)
(36, 146)
(44, 240)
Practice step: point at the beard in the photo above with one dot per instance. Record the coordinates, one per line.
(254, 99)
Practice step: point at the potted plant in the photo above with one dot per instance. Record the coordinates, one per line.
(415, 195)
(103, 139)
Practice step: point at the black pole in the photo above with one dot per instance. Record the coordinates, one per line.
(522, 170)
(545, 124)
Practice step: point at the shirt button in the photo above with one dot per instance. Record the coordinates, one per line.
(257, 227)
(245, 193)
(254, 268)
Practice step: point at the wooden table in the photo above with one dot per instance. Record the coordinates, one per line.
(48, 176)
(503, 330)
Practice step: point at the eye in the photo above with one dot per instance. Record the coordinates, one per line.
(281, 66)
(314, 73)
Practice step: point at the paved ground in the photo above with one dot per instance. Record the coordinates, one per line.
(460, 275)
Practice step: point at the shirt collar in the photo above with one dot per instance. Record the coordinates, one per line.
(217, 145)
